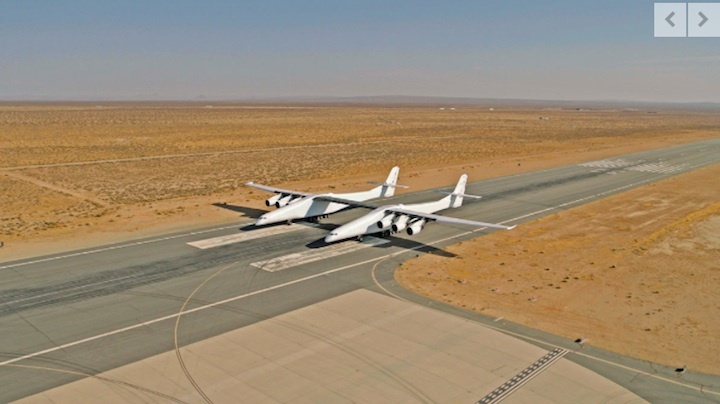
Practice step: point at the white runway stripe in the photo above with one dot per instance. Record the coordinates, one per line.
(305, 257)
(660, 167)
(617, 163)
(243, 236)
(116, 247)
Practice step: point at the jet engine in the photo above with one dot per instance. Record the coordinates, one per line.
(283, 201)
(273, 199)
(415, 227)
(400, 223)
(386, 221)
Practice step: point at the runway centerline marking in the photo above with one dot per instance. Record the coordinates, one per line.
(244, 236)
(306, 257)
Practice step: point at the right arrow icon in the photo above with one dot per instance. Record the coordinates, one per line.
(704, 19)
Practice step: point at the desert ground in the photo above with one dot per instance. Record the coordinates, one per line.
(78, 175)
(636, 273)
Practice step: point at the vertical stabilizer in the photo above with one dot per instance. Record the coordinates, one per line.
(388, 188)
(456, 198)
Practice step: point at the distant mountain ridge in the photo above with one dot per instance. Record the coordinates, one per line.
(383, 100)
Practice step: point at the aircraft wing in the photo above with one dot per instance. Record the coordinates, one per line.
(449, 220)
(278, 190)
(351, 203)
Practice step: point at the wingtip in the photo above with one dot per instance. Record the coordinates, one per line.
(512, 227)
(249, 183)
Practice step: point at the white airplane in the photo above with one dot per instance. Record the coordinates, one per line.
(299, 205)
(396, 218)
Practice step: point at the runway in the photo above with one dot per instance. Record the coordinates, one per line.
(94, 310)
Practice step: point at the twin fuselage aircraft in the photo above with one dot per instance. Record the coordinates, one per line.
(387, 219)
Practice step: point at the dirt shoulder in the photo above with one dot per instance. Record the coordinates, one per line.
(636, 273)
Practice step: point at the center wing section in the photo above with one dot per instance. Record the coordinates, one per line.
(444, 219)
(350, 203)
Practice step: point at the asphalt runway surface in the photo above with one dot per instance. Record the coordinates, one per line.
(84, 312)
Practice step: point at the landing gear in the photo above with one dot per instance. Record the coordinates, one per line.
(316, 219)
(360, 238)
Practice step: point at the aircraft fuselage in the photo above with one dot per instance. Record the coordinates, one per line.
(302, 208)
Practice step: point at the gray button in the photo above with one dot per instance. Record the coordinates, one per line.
(704, 20)
(670, 19)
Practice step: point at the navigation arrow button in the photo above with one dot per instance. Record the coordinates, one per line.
(704, 19)
(669, 19)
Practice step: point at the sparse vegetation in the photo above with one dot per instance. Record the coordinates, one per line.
(75, 161)
(657, 302)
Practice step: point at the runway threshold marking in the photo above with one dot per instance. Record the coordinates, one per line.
(244, 236)
(306, 257)
(523, 377)
(660, 167)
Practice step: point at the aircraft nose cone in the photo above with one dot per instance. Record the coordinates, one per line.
(331, 237)
(260, 221)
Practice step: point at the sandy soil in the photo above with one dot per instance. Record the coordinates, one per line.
(76, 176)
(636, 273)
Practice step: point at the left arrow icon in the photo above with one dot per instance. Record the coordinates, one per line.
(669, 19)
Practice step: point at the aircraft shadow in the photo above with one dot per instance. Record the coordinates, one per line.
(394, 242)
(249, 212)
(317, 225)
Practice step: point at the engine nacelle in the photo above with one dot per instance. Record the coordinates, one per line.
(273, 200)
(416, 227)
(386, 221)
(400, 223)
(283, 201)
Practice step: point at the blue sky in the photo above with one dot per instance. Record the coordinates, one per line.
(589, 50)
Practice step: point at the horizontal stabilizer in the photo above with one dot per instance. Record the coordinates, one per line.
(456, 194)
(385, 184)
